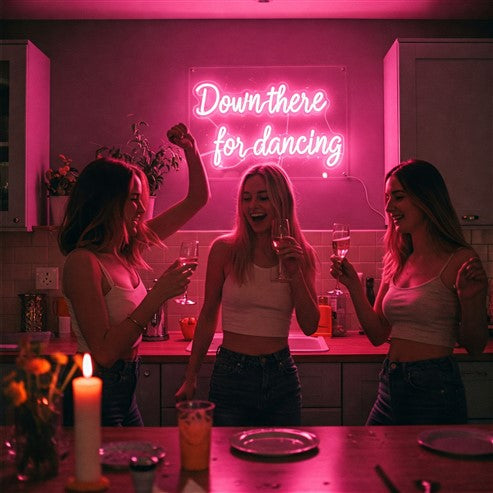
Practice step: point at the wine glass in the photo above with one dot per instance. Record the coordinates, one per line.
(280, 229)
(189, 255)
(340, 243)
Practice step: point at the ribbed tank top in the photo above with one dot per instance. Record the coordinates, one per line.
(120, 303)
(259, 307)
(428, 313)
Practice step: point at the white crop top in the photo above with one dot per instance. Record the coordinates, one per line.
(428, 313)
(120, 303)
(259, 307)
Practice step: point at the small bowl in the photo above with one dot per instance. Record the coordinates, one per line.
(187, 326)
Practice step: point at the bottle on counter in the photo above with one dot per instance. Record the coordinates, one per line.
(325, 322)
(370, 290)
(156, 328)
(337, 301)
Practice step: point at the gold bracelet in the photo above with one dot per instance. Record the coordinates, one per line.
(143, 328)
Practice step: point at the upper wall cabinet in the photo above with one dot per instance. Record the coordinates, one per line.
(24, 134)
(439, 107)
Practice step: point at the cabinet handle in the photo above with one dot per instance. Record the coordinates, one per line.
(147, 373)
(470, 217)
(16, 220)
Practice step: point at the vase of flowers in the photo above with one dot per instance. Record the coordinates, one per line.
(35, 389)
(153, 162)
(59, 183)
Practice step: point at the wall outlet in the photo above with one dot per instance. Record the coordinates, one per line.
(46, 277)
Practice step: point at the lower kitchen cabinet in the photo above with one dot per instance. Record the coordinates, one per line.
(359, 389)
(478, 381)
(148, 392)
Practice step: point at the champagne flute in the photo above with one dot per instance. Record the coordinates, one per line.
(340, 243)
(280, 229)
(189, 255)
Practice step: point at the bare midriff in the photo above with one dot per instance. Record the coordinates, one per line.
(404, 351)
(253, 345)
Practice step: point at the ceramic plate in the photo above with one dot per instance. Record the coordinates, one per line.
(458, 441)
(116, 455)
(274, 442)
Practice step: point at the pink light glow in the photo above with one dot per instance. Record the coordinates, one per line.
(255, 116)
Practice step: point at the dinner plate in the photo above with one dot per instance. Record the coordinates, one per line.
(274, 442)
(117, 455)
(457, 441)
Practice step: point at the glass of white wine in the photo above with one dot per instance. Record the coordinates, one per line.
(340, 242)
(189, 255)
(280, 229)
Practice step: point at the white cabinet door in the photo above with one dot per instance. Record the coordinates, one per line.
(24, 134)
(438, 105)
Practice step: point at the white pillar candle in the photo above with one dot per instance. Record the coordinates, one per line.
(87, 413)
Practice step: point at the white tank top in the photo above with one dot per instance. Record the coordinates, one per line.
(120, 303)
(259, 307)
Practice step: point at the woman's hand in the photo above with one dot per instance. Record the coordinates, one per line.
(291, 254)
(471, 279)
(343, 270)
(180, 136)
(174, 280)
(186, 392)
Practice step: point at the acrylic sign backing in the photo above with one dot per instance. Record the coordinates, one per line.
(293, 116)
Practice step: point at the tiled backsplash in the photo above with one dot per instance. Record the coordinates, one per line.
(21, 253)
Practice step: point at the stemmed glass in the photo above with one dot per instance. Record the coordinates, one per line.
(189, 255)
(280, 229)
(340, 243)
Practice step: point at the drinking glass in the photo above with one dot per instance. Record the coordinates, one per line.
(189, 255)
(280, 229)
(340, 243)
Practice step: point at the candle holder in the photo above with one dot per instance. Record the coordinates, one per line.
(81, 486)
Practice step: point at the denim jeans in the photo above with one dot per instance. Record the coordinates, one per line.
(119, 403)
(419, 392)
(255, 390)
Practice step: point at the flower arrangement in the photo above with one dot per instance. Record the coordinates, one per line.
(61, 181)
(35, 390)
(154, 163)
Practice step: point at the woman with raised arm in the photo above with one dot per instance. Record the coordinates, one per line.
(103, 235)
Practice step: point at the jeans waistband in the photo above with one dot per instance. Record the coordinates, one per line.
(120, 366)
(422, 364)
(261, 358)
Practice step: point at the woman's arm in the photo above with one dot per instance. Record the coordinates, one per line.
(472, 284)
(371, 318)
(83, 286)
(169, 221)
(207, 322)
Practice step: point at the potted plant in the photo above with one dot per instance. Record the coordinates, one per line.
(154, 163)
(60, 183)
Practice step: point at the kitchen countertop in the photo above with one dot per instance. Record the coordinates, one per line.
(354, 348)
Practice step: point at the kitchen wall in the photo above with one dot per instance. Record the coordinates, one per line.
(21, 253)
(107, 74)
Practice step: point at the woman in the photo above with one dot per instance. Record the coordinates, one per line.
(103, 236)
(255, 381)
(432, 296)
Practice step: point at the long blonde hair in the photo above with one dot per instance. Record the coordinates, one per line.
(427, 190)
(280, 192)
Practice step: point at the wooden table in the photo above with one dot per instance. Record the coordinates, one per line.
(344, 462)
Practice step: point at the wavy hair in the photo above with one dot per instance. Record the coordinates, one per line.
(281, 195)
(94, 218)
(427, 190)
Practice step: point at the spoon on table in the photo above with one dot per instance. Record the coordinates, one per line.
(427, 486)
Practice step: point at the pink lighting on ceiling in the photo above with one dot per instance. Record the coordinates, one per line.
(254, 115)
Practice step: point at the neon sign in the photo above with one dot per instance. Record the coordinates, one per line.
(269, 121)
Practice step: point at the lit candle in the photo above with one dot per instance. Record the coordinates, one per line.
(87, 413)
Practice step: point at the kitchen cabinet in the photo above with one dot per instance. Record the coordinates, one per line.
(24, 134)
(148, 392)
(478, 381)
(438, 106)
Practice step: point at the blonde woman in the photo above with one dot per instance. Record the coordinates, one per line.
(255, 381)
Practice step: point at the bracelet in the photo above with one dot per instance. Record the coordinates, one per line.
(143, 328)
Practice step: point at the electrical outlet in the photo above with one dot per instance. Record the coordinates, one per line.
(46, 277)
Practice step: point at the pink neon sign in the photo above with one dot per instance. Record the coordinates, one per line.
(270, 121)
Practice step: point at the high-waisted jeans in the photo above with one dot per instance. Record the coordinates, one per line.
(419, 392)
(119, 403)
(255, 390)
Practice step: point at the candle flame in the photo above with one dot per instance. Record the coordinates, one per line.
(87, 365)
